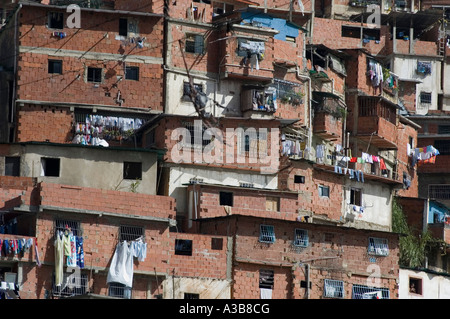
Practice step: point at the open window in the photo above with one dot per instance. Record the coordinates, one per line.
(50, 166)
(415, 285)
(55, 20)
(333, 288)
(12, 166)
(194, 43)
(356, 196)
(267, 234)
(183, 247)
(225, 198)
(132, 170)
(378, 246)
(301, 238)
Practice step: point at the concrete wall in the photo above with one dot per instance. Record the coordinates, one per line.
(405, 67)
(87, 166)
(434, 286)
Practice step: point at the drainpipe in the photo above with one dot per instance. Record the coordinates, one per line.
(307, 280)
(308, 116)
(15, 63)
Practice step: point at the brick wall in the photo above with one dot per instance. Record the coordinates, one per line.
(332, 253)
(76, 49)
(94, 199)
(163, 137)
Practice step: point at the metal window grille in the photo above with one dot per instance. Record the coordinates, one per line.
(73, 284)
(437, 191)
(425, 97)
(301, 238)
(366, 292)
(333, 288)
(266, 279)
(378, 246)
(119, 290)
(199, 132)
(130, 233)
(267, 234)
(63, 224)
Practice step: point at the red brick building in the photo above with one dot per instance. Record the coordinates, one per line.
(100, 134)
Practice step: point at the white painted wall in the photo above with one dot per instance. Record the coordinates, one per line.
(225, 93)
(377, 202)
(405, 67)
(207, 288)
(433, 285)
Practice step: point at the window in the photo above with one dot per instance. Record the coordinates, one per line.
(366, 292)
(191, 296)
(50, 167)
(216, 243)
(55, 66)
(267, 234)
(378, 246)
(273, 203)
(298, 179)
(266, 279)
(415, 285)
(333, 288)
(130, 233)
(199, 137)
(439, 191)
(132, 170)
(73, 284)
(55, 20)
(123, 27)
(119, 290)
(12, 166)
(301, 238)
(356, 196)
(443, 129)
(71, 225)
(226, 199)
(194, 43)
(443, 146)
(94, 75)
(252, 142)
(132, 73)
(425, 97)
(187, 91)
(351, 32)
(183, 247)
(324, 191)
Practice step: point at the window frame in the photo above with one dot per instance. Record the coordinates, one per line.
(136, 173)
(51, 66)
(193, 43)
(126, 292)
(303, 241)
(231, 194)
(354, 195)
(338, 287)
(419, 285)
(130, 233)
(183, 247)
(378, 246)
(92, 78)
(321, 189)
(51, 21)
(45, 168)
(428, 99)
(74, 225)
(267, 234)
(12, 168)
(132, 73)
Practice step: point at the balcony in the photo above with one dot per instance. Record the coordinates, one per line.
(441, 231)
(328, 116)
(376, 123)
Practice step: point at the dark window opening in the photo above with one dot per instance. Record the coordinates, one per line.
(415, 286)
(194, 43)
(183, 247)
(132, 170)
(355, 197)
(226, 199)
(216, 243)
(266, 279)
(443, 146)
(12, 166)
(63, 225)
(187, 90)
(351, 32)
(123, 27)
(298, 179)
(191, 296)
(56, 20)
(50, 167)
(94, 75)
(132, 73)
(55, 66)
(425, 97)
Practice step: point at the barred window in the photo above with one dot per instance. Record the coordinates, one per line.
(301, 238)
(333, 288)
(266, 279)
(63, 224)
(378, 246)
(119, 290)
(366, 292)
(73, 284)
(267, 234)
(130, 233)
